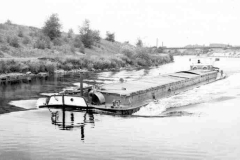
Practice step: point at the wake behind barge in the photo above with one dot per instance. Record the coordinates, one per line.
(125, 98)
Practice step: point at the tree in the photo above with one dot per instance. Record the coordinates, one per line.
(8, 22)
(139, 43)
(110, 37)
(70, 33)
(78, 44)
(88, 36)
(52, 27)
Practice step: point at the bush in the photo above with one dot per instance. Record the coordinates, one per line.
(72, 48)
(143, 53)
(23, 67)
(42, 42)
(57, 42)
(139, 43)
(50, 67)
(128, 51)
(78, 44)
(14, 42)
(67, 66)
(26, 40)
(141, 62)
(36, 66)
(8, 22)
(96, 35)
(70, 33)
(2, 67)
(20, 33)
(5, 48)
(110, 37)
(1, 39)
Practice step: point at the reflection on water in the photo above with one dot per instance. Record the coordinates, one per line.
(70, 120)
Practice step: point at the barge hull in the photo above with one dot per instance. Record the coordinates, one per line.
(126, 98)
(135, 94)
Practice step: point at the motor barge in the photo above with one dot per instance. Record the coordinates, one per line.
(125, 98)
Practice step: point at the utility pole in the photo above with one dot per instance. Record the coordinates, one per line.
(81, 83)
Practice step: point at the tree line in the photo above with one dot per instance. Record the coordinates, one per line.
(87, 36)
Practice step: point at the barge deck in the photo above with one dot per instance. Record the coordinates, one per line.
(129, 97)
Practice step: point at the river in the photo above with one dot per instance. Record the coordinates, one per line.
(202, 123)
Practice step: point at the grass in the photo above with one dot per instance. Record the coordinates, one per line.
(24, 48)
(24, 41)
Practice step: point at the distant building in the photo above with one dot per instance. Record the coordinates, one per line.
(219, 45)
(194, 46)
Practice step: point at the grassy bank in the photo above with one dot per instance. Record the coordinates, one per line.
(127, 58)
(24, 49)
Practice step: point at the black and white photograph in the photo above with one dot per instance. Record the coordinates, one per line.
(119, 80)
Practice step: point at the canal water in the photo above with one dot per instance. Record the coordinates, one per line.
(202, 123)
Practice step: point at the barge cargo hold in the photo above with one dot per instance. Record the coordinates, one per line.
(125, 98)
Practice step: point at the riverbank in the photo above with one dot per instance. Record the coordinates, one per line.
(93, 63)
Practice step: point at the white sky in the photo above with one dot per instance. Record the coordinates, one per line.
(173, 22)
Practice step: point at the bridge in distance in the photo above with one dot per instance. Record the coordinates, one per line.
(207, 47)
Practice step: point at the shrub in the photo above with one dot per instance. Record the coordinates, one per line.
(171, 57)
(82, 50)
(110, 37)
(70, 33)
(139, 43)
(78, 44)
(14, 42)
(141, 62)
(2, 67)
(65, 39)
(8, 22)
(50, 67)
(13, 66)
(23, 67)
(96, 35)
(128, 51)
(36, 66)
(1, 39)
(3, 27)
(42, 42)
(57, 42)
(127, 60)
(26, 40)
(5, 48)
(67, 66)
(72, 48)
(20, 33)
(89, 66)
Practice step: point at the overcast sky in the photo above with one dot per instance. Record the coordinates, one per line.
(173, 22)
